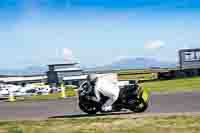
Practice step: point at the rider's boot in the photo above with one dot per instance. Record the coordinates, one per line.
(107, 109)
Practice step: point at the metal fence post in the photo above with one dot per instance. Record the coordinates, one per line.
(63, 94)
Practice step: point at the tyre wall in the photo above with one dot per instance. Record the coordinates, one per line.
(179, 74)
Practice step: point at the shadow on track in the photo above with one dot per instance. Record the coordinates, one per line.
(87, 115)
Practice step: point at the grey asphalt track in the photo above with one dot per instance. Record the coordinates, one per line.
(159, 103)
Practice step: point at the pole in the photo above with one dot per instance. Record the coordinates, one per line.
(63, 94)
(11, 96)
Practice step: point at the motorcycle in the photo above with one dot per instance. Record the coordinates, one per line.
(131, 97)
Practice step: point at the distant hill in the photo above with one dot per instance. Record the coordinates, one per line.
(137, 63)
(33, 70)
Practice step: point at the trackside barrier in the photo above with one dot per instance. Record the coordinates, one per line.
(11, 97)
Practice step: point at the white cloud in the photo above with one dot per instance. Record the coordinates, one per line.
(118, 58)
(156, 44)
(68, 55)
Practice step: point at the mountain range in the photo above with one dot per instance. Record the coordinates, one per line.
(33, 70)
(140, 63)
(126, 63)
(135, 63)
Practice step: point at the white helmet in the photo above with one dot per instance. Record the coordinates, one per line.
(92, 77)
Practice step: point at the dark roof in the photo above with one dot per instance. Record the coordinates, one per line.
(62, 64)
(70, 71)
(189, 50)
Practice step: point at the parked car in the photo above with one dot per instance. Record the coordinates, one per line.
(4, 92)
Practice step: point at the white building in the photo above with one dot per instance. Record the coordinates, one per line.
(70, 74)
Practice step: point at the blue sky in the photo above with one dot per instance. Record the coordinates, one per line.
(95, 32)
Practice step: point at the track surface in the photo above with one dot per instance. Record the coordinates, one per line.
(160, 103)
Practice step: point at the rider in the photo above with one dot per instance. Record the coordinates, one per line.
(105, 87)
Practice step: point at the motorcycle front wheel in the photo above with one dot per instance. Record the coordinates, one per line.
(89, 108)
(140, 107)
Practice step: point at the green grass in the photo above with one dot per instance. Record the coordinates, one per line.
(146, 74)
(172, 124)
(185, 84)
(140, 71)
(44, 97)
(175, 85)
(141, 77)
(69, 93)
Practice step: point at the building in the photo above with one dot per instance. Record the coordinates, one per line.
(70, 74)
(189, 58)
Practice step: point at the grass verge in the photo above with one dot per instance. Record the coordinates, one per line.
(70, 92)
(141, 77)
(175, 85)
(172, 124)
